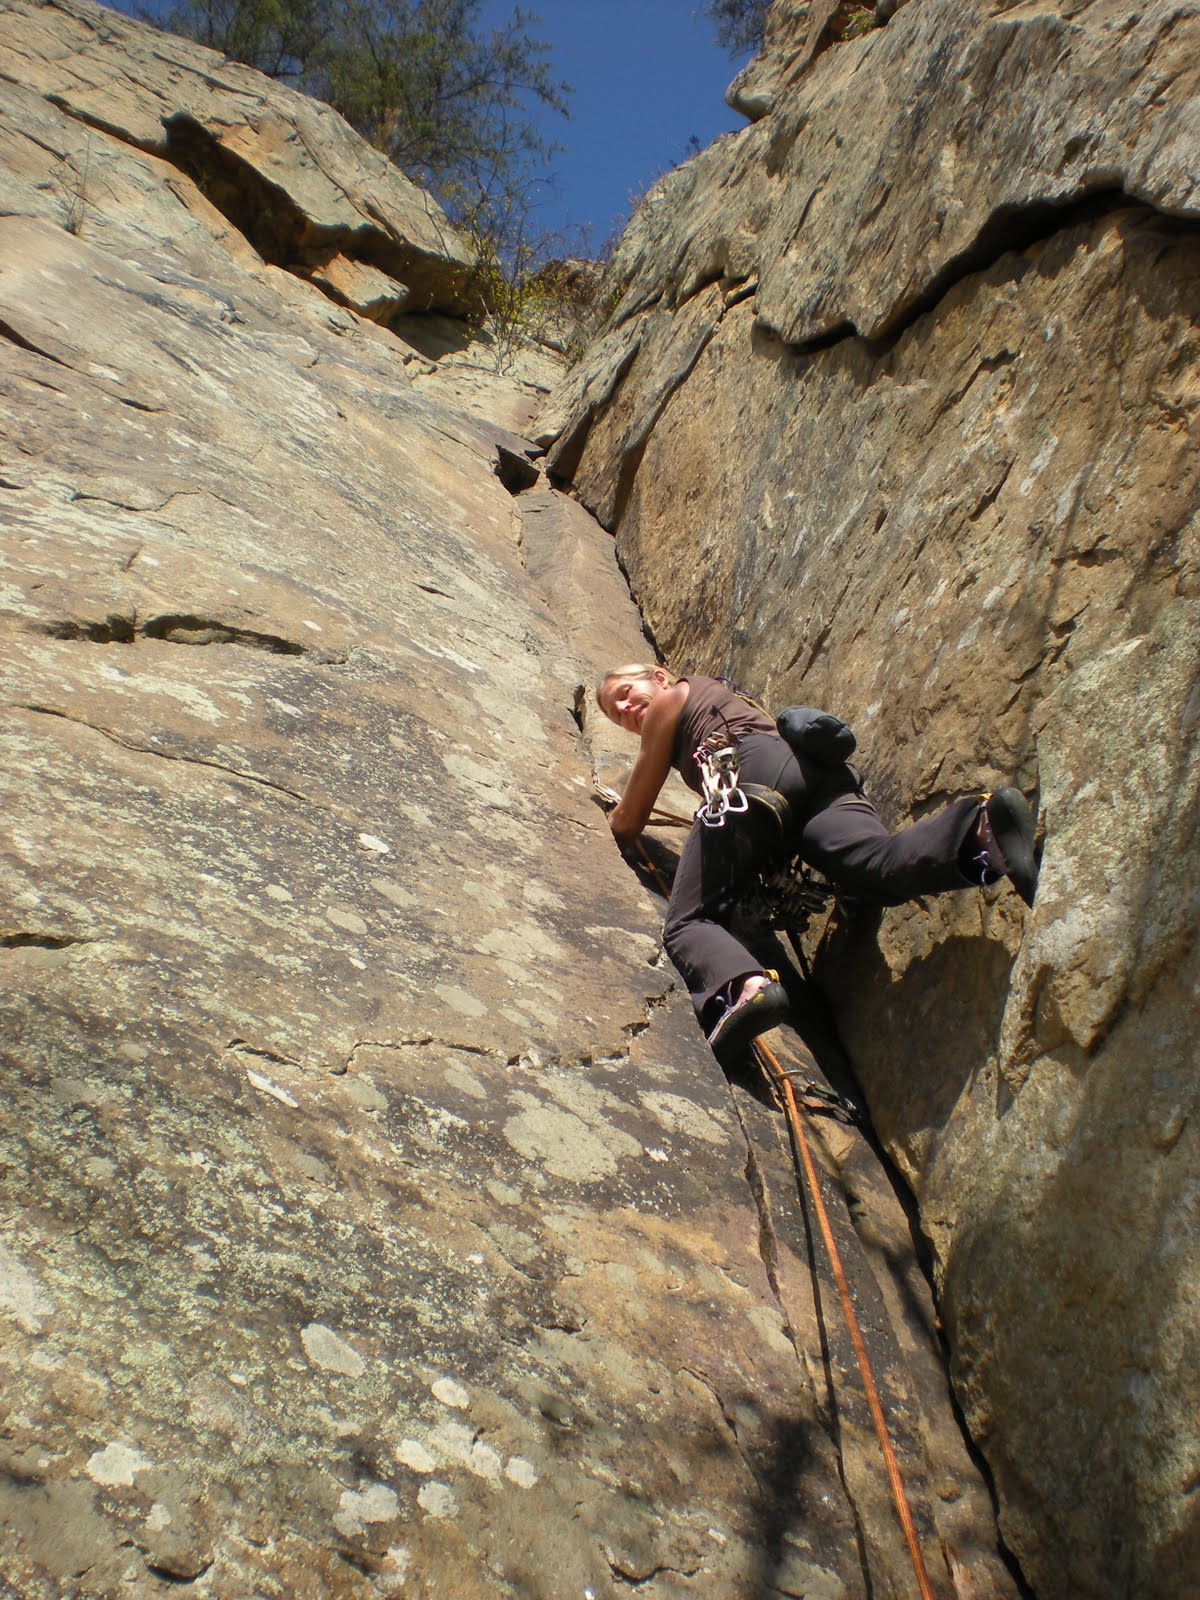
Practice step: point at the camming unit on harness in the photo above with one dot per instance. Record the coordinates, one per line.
(717, 759)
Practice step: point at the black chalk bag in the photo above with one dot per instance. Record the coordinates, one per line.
(818, 735)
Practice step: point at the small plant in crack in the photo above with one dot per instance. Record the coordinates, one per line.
(77, 190)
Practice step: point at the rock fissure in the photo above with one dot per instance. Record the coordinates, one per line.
(7, 331)
(706, 1382)
(169, 1571)
(636, 1577)
(241, 1047)
(653, 1003)
(178, 628)
(1011, 230)
(165, 755)
(631, 458)
(23, 940)
(424, 1041)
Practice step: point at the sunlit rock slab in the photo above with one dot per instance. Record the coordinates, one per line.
(375, 1220)
(302, 184)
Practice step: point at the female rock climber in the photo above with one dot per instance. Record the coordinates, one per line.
(829, 822)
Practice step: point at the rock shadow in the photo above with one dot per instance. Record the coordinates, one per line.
(943, 1011)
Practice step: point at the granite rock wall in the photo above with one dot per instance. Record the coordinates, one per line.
(897, 413)
(374, 1220)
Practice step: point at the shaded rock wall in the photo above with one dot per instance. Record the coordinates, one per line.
(898, 413)
(374, 1220)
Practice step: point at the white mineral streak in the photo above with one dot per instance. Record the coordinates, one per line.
(678, 1115)
(265, 1085)
(20, 1293)
(412, 1453)
(374, 1502)
(450, 1393)
(438, 1499)
(395, 1569)
(521, 1472)
(327, 1350)
(458, 1442)
(348, 920)
(564, 1144)
(117, 1465)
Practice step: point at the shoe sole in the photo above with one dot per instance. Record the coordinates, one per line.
(744, 1023)
(1014, 829)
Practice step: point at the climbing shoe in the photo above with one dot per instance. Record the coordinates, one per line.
(1006, 836)
(744, 1020)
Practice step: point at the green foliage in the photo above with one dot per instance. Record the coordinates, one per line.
(420, 79)
(859, 17)
(536, 288)
(740, 24)
(278, 37)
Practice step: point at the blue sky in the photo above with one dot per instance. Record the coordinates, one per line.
(647, 75)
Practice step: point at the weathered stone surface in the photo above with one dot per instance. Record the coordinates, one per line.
(887, 420)
(365, 289)
(375, 1221)
(287, 169)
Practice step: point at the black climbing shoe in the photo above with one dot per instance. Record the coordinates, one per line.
(1007, 830)
(745, 1020)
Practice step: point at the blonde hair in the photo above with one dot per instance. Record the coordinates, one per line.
(635, 673)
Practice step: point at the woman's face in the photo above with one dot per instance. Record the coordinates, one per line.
(624, 700)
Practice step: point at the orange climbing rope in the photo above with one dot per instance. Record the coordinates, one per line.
(779, 1080)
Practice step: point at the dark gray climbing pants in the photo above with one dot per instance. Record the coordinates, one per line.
(834, 828)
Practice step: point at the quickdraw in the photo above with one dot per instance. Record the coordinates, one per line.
(717, 759)
(818, 1098)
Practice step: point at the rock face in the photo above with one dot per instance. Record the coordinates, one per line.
(285, 170)
(375, 1221)
(898, 413)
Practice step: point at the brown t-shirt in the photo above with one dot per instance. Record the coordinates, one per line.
(711, 707)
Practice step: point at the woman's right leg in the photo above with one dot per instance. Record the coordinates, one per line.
(847, 841)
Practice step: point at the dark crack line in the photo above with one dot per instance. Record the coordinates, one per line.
(827, 1411)
(422, 1041)
(173, 628)
(1010, 230)
(165, 755)
(707, 1383)
(10, 333)
(632, 458)
(24, 940)
(239, 1047)
(169, 1575)
(636, 1580)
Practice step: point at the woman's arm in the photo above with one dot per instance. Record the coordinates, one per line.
(652, 765)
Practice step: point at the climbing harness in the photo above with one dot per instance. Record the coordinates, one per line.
(786, 895)
(780, 1081)
(717, 759)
